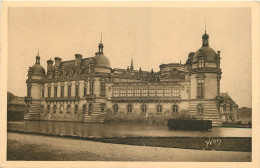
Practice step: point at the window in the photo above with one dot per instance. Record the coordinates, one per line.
(48, 109)
(61, 91)
(54, 109)
(68, 108)
(201, 63)
(175, 93)
(115, 107)
(77, 90)
(103, 89)
(61, 109)
(102, 106)
(200, 88)
(55, 91)
(200, 109)
(69, 90)
(42, 109)
(84, 108)
(91, 87)
(43, 93)
(144, 109)
(85, 89)
(76, 109)
(175, 109)
(159, 93)
(159, 108)
(144, 93)
(90, 107)
(129, 109)
(29, 91)
(49, 91)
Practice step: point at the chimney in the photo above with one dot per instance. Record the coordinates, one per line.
(57, 61)
(78, 59)
(49, 65)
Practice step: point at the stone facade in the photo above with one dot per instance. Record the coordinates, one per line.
(85, 89)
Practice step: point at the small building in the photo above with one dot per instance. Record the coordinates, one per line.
(15, 107)
(228, 109)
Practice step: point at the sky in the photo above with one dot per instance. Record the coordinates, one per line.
(151, 36)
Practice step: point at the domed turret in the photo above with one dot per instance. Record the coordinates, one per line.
(37, 69)
(205, 52)
(101, 59)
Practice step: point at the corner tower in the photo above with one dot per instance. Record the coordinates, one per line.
(205, 83)
(35, 82)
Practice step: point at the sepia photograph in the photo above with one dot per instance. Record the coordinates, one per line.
(132, 83)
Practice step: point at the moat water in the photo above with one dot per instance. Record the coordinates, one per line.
(120, 130)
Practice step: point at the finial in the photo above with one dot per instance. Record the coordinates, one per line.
(38, 52)
(205, 25)
(132, 65)
(101, 37)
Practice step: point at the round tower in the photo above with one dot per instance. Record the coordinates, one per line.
(35, 83)
(205, 82)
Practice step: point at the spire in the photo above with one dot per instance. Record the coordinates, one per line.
(205, 26)
(132, 65)
(38, 57)
(205, 39)
(100, 46)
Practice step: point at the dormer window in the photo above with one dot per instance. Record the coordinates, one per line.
(201, 63)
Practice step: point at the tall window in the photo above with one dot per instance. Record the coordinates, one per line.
(103, 89)
(29, 91)
(91, 87)
(48, 109)
(201, 63)
(42, 108)
(175, 109)
(55, 91)
(61, 91)
(85, 90)
(129, 109)
(200, 88)
(42, 92)
(102, 106)
(77, 90)
(61, 108)
(76, 109)
(200, 109)
(54, 109)
(69, 90)
(115, 107)
(49, 91)
(144, 109)
(68, 108)
(159, 108)
(90, 107)
(84, 108)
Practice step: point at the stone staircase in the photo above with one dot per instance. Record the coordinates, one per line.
(210, 111)
(95, 115)
(34, 112)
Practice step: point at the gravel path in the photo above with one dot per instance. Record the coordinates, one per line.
(52, 148)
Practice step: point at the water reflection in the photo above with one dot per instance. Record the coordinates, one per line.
(120, 130)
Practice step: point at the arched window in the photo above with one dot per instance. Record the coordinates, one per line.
(61, 108)
(200, 108)
(54, 108)
(102, 106)
(129, 109)
(68, 108)
(159, 108)
(48, 109)
(76, 109)
(42, 108)
(84, 108)
(144, 109)
(115, 107)
(175, 109)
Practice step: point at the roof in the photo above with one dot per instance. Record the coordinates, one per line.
(227, 99)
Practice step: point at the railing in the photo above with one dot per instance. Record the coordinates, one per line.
(90, 96)
(62, 98)
(27, 99)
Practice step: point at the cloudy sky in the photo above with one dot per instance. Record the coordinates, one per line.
(150, 36)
